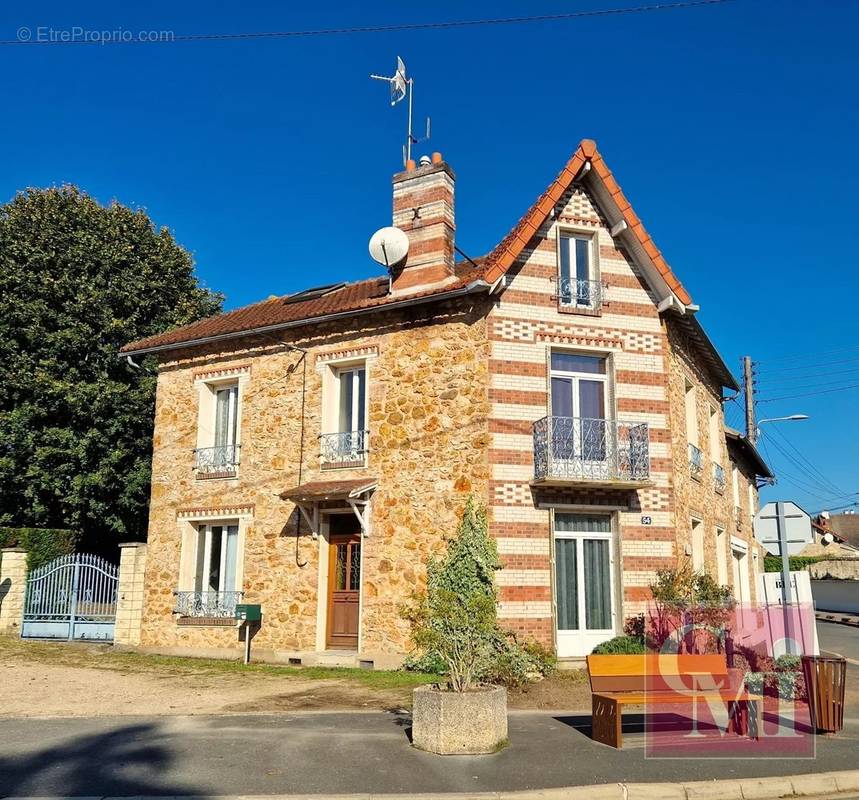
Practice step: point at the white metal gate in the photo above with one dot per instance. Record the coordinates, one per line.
(71, 597)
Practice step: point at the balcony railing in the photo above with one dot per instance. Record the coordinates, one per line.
(579, 450)
(696, 461)
(719, 477)
(338, 450)
(223, 458)
(574, 293)
(207, 604)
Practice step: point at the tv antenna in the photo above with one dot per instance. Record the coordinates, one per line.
(402, 87)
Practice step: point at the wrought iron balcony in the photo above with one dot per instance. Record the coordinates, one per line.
(339, 450)
(595, 452)
(207, 604)
(696, 461)
(719, 477)
(213, 460)
(574, 293)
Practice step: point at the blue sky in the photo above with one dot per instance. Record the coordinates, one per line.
(731, 128)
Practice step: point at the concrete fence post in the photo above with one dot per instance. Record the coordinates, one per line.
(13, 582)
(129, 597)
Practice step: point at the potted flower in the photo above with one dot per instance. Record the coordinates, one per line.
(455, 621)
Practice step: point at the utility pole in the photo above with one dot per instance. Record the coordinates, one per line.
(749, 391)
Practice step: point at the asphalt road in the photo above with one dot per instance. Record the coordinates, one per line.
(840, 639)
(353, 753)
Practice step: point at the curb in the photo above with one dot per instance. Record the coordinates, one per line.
(838, 618)
(821, 784)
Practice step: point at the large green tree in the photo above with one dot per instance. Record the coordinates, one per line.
(77, 281)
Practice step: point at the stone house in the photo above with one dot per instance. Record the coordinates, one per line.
(311, 451)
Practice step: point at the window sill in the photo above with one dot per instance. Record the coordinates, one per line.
(696, 476)
(206, 622)
(214, 476)
(719, 490)
(581, 311)
(328, 466)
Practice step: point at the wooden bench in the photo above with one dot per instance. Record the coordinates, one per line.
(617, 681)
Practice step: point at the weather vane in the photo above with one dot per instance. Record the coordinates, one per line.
(401, 87)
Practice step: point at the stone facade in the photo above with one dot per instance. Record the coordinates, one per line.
(427, 420)
(454, 389)
(721, 516)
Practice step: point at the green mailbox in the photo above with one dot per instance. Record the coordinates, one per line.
(248, 612)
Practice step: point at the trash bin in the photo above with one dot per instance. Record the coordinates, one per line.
(824, 680)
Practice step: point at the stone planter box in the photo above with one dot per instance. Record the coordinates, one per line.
(467, 723)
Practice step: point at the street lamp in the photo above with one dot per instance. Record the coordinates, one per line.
(790, 418)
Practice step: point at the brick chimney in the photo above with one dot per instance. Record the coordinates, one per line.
(423, 208)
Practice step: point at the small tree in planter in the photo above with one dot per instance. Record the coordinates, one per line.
(456, 621)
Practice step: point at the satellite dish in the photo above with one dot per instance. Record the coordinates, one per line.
(389, 247)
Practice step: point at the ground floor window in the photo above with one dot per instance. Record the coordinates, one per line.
(584, 582)
(217, 548)
(740, 564)
(209, 583)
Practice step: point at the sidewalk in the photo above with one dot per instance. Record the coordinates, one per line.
(354, 753)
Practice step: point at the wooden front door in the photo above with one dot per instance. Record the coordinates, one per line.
(344, 584)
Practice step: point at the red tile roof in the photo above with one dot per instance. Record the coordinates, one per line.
(352, 297)
(372, 293)
(329, 490)
(511, 246)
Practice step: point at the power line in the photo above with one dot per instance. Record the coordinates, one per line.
(407, 26)
(792, 383)
(837, 508)
(813, 481)
(795, 356)
(815, 365)
(808, 394)
(814, 469)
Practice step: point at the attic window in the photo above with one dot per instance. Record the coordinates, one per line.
(312, 294)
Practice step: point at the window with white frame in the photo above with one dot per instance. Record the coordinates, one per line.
(696, 457)
(721, 557)
(735, 487)
(214, 572)
(345, 441)
(715, 437)
(697, 545)
(217, 452)
(578, 284)
(579, 397)
(691, 408)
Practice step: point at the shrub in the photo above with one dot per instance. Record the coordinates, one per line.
(621, 645)
(797, 563)
(515, 664)
(455, 621)
(788, 663)
(42, 544)
(780, 677)
(429, 662)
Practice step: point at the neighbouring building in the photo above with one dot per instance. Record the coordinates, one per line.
(826, 542)
(846, 525)
(311, 451)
